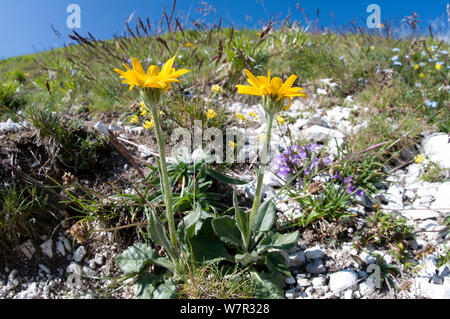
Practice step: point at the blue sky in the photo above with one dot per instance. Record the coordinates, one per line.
(25, 25)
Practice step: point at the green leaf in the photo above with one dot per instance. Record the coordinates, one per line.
(264, 218)
(146, 285)
(209, 250)
(226, 229)
(158, 235)
(224, 178)
(167, 290)
(242, 222)
(134, 258)
(268, 285)
(276, 263)
(191, 219)
(277, 241)
(246, 258)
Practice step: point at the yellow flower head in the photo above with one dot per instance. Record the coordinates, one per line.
(419, 158)
(280, 120)
(438, 66)
(149, 124)
(253, 115)
(210, 114)
(416, 66)
(188, 44)
(154, 78)
(134, 119)
(274, 88)
(232, 144)
(241, 117)
(217, 89)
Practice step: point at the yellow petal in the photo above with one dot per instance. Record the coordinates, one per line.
(245, 89)
(252, 79)
(289, 82)
(152, 70)
(167, 66)
(137, 66)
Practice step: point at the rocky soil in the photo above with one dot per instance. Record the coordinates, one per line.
(318, 270)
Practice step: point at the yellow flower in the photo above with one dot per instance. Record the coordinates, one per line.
(372, 47)
(232, 144)
(241, 117)
(259, 34)
(416, 66)
(253, 115)
(210, 114)
(154, 78)
(26, 74)
(438, 66)
(217, 89)
(422, 75)
(419, 158)
(280, 120)
(149, 124)
(134, 119)
(273, 88)
(188, 44)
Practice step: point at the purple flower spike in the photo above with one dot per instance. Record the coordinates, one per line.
(360, 192)
(348, 180)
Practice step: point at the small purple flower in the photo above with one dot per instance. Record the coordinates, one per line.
(348, 180)
(313, 147)
(326, 160)
(307, 171)
(350, 188)
(360, 192)
(314, 163)
(337, 176)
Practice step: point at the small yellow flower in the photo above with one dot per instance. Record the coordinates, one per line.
(241, 117)
(372, 47)
(253, 115)
(259, 34)
(134, 119)
(232, 144)
(188, 44)
(217, 89)
(422, 75)
(27, 74)
(210, 114)
(149, 124)
(419, 159)
(438, 66)
(416, 66)
(280, 120)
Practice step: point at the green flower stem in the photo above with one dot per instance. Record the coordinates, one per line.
(164, 175)
(257, 200)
